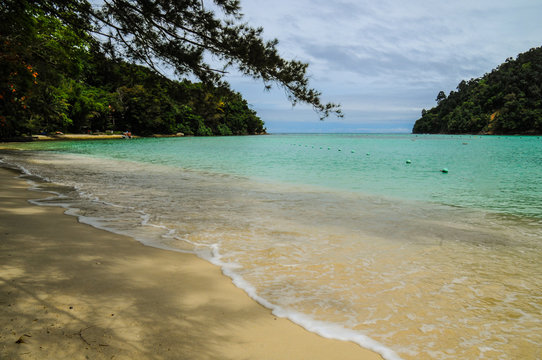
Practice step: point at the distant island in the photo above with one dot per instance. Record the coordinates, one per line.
(56, 80)
(507, 101)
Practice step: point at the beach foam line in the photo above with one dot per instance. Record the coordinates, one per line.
(56, 201)
(324, 329)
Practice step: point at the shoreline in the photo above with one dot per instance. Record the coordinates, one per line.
(61, 137)
(69, 290)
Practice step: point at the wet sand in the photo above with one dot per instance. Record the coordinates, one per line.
(70, 291)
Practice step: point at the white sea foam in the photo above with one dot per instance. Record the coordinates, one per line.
(322, 328)
(325, 329)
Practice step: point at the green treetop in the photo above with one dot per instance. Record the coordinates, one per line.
(506, 101)
(181, 34)
(55, 77)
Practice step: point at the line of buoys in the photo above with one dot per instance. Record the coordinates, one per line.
(408, 161)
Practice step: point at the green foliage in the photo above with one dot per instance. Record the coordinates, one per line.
(506, 101)
(54, 79)
(36, 55)
(181, 35)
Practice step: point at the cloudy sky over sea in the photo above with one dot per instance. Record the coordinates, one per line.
(384, 60)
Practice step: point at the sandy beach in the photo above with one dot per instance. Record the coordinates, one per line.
(71, 291)
(57, 137)
(76, 137)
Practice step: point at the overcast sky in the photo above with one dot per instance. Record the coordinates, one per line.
(384, 60)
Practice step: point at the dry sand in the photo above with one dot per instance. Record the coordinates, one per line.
(96, 136)
(77, 137)
(70, 291)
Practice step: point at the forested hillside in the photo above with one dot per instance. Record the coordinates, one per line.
(506, 101)
(55, 78)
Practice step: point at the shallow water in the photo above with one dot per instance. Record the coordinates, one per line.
(354, 244)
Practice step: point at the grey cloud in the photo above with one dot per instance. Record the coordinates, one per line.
(399, 68)
(386, 59)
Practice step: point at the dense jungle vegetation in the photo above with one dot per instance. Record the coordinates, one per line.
(54, 78)
(506, 101)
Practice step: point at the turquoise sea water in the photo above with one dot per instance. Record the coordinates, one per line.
(498, 173)
(358, 237)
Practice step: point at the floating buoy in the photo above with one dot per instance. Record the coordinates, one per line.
(339, 150)
(408, 161)
(368, 154)
(329, 148)
(352, 151)
(445, 171)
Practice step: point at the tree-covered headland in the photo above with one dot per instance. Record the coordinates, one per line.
(506, 101)
(77, 65)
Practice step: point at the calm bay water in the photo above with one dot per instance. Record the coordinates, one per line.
(337, 232)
